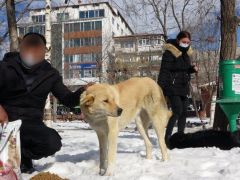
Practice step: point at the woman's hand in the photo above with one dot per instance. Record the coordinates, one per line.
(195, 68)
(3, 115)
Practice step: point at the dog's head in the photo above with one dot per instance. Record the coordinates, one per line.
(100, 99)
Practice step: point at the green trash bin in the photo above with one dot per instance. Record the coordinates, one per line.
(229, 87)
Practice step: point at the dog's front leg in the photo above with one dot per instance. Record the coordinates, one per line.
(112, 146)
(102, 138)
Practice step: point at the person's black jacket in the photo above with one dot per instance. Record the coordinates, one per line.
(24, 100)
(175, 70)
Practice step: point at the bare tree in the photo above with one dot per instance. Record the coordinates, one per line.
(180, 22)
(12, 25)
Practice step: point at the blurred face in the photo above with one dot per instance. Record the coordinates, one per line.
(184, 42)
(32, 50)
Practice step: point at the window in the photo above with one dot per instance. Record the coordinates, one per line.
(144, 42)
(83, 26)
(86, 14)
(97, 13)
(21, 30)
(66, 43)
(66, 27)
(91, 14)
(87, 26)
(128, 44)
(121, 31)
(76, 27)
(99, 41)
(87, 73)
(101, 13)
(34, 18)
(82, 14)
(30, 29)
(38, 18)
(71, 27)
(66, 58)
(76, 42)
(62, 16)
(117, 26)
(147, 41)
(98, 25)
(87, 41)
(93, 25)
(38, 29)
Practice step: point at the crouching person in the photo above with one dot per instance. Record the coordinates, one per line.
(26, 79)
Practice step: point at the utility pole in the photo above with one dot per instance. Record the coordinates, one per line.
(48, 116)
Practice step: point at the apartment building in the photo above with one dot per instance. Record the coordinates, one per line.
(139, 54)
(82, 38)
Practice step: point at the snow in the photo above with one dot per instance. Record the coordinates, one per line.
(78, 158)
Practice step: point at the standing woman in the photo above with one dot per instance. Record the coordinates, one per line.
(174, 78)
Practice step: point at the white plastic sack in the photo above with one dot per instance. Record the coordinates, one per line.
(10, 151)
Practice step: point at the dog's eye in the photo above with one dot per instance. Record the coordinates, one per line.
(106, 101)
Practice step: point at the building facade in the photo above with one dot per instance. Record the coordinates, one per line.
(82, 39)
(139, 54)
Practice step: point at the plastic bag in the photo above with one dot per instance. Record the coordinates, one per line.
(10, 151)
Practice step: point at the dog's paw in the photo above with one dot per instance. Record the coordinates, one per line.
(109, 173)
(165, 158)
(106, 172)
(149, 156)
(102, 172)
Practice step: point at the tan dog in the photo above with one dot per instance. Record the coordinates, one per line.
(109, 108)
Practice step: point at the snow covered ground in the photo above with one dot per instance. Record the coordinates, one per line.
(78, 158)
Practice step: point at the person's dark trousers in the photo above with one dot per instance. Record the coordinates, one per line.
(179, 108)
(37, 141)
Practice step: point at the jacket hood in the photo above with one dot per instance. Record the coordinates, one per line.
(171, 46)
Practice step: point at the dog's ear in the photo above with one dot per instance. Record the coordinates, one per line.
(86, 100)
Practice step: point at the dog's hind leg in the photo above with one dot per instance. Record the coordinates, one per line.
(159, 119)
(142, 128)
(102, 138)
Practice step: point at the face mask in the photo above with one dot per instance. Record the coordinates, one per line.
(29, 61)
(183, 45)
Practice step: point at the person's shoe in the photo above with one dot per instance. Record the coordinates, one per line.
(27, 170)
(26, 166)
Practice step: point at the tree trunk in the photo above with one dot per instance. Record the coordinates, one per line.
(12, 25)
(228, 50)
(48, 107)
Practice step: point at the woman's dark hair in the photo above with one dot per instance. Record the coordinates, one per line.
(183, 34)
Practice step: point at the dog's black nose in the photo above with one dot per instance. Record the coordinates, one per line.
(119, 111)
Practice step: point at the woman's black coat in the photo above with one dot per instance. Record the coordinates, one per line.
(175, 70)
